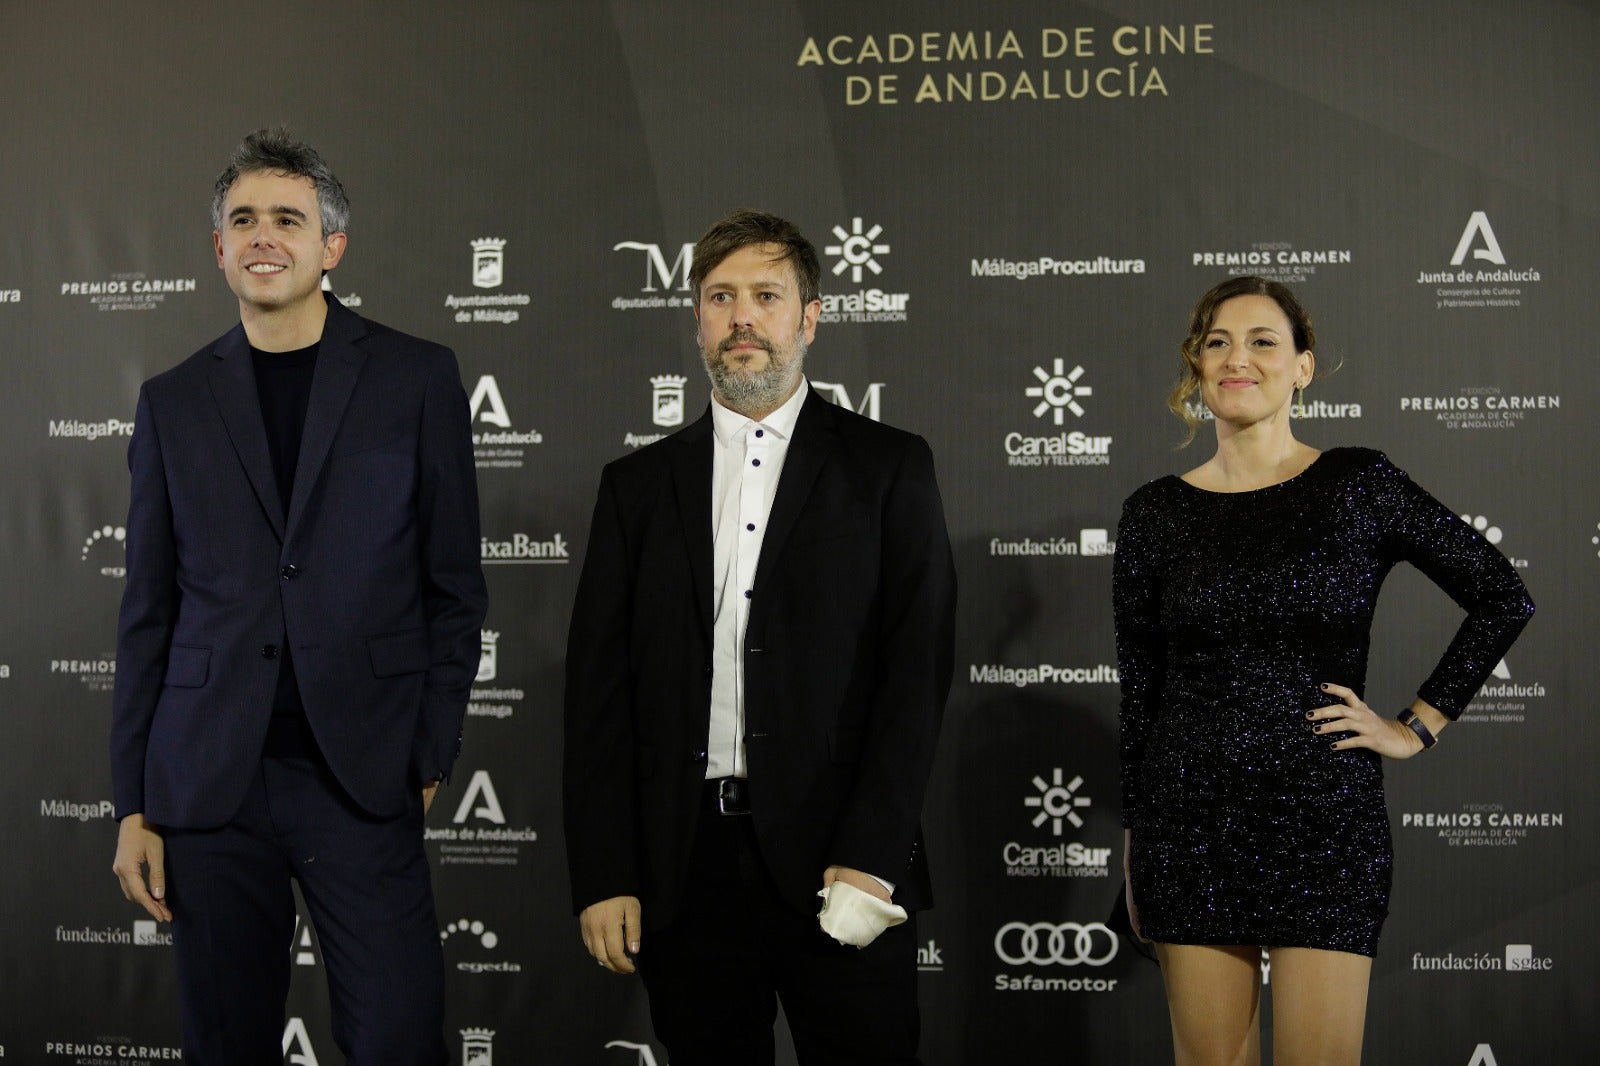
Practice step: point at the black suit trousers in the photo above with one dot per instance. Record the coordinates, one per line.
(737, 949)
(366, 885)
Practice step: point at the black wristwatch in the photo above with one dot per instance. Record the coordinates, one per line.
(1408, 717)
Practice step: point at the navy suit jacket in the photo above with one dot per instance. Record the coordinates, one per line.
(370, 574)
(848, 657)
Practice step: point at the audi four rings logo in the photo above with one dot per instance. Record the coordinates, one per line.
(1055, 943)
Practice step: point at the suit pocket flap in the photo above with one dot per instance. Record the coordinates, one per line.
(187, 666)
(398, 653)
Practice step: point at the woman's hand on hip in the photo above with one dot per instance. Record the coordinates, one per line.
(1363, 727)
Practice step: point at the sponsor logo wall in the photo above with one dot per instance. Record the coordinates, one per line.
(1482, 278)
(1518, 958)
(492, 697)
(479, 834)
(126, 291)
(78, 429)
(857, 257)
(1057, 806)
(1042, 946)
(667, 283)
(488, 273)
(99, 1052)
(1014, 212)
(1059, 392)
(496, 443)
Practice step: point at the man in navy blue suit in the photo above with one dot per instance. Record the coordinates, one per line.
(298, 637)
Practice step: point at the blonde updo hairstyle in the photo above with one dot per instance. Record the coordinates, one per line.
(1205, 315)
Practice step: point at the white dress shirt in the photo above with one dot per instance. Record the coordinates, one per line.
(747, 457)
(746, 460)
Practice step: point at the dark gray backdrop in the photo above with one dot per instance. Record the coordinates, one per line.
(1351, 147)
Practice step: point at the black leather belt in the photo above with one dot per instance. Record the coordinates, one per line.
(729, 795)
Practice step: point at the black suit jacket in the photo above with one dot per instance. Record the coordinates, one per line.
(371, 574)
(848, 656)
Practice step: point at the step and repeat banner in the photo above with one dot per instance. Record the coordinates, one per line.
(1016, 204)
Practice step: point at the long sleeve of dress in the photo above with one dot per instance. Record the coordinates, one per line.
(1141, 655)
(1422, 531)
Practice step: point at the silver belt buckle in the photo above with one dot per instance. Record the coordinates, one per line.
(726, 790)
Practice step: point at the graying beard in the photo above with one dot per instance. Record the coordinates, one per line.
(760, 392)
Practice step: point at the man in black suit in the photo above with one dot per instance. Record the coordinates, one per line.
(298, 636)
(757, 666)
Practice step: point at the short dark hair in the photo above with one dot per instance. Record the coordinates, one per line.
(1204, 316)
(276, 151)
(745, 227)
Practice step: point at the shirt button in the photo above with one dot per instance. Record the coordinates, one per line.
(761, 433)
(289, 570)
(751, 526)
(755, 462)
(269, 651)
(748, 593)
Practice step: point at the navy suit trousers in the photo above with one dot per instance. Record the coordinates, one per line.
(366, 885)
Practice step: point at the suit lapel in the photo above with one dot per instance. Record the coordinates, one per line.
(233, 386)
(691, 478)
(814, 439)
(339, 364)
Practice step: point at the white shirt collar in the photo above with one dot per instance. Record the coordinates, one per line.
(727, 423)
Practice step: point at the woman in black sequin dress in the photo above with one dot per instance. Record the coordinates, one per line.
(1252, 767)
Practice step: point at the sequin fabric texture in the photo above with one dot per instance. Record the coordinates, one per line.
(1231, 609)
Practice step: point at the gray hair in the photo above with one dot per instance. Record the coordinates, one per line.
(276, 151)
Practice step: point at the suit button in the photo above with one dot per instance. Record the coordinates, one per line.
(697, 756)
(269, 651)
(289, 570)
(705, 671)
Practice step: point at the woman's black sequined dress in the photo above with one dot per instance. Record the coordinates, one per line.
(1231, 609)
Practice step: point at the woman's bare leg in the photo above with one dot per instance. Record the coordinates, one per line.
(1214, 996)
(1319, 1006)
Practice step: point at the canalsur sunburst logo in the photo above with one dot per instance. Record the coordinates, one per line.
(1058, 391)
(856, 250)
(1057, 802)
(857, 258)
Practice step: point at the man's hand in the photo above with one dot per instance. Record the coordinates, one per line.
(856, 879)
(139, 844)
(611, 932)
(427, 794)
